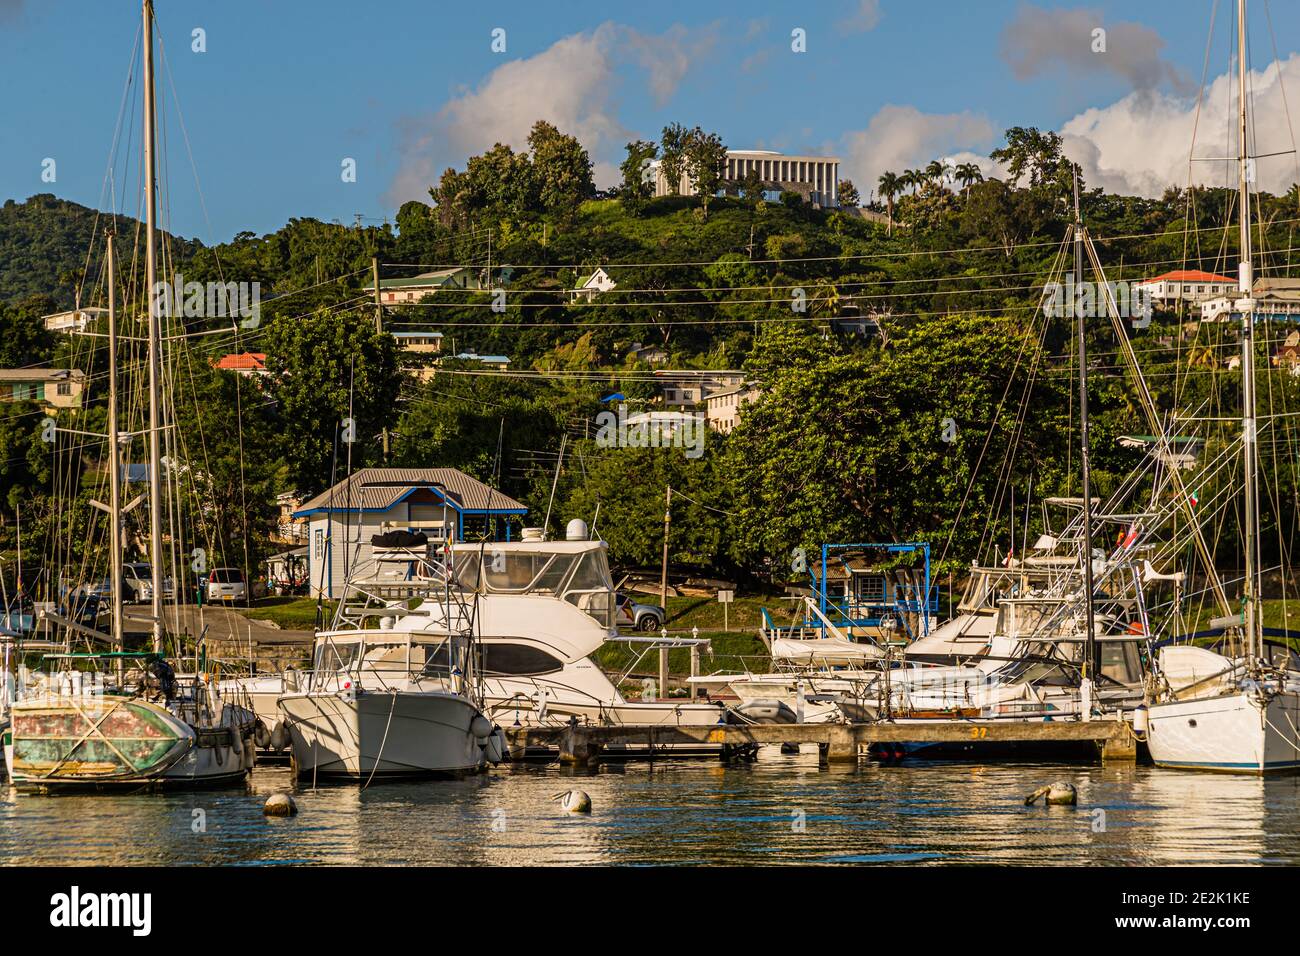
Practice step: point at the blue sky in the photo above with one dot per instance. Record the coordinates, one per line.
(286, 90)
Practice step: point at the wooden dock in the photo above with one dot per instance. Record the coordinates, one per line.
(582, 745)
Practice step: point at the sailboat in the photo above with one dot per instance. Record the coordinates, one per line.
(1232, 713)
(118, 718)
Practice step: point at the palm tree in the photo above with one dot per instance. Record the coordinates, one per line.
(968, 173)
(935, 171)
(889, 186)
(913, 178)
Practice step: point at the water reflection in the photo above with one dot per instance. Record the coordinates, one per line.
(782, 809)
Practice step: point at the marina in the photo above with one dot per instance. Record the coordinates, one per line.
(600, 497)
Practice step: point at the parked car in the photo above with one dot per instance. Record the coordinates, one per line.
(137, 582)
(227, 584)
(641, 617)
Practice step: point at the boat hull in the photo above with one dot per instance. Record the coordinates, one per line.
(109, 742)
(387, 735)
(1230, 733)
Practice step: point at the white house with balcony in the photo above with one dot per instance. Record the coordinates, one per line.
(1186, 285)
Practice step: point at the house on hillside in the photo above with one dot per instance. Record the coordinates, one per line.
(418, 342)
(722, 409)
(590, 286)
(247, 364)
(55, 388)
(498, 362)
(443, 503)
(1185, 285)
(415, 288)
(687, 388)
(74, 320)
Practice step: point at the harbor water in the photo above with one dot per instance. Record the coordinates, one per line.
(779, 810)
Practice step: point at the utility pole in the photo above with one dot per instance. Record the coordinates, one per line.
(379, 327)
(663, 581)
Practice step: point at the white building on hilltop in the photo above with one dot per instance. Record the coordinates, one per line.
(816, 178)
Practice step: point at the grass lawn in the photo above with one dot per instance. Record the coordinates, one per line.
(706, 613)
(291, 613)
(731, 652)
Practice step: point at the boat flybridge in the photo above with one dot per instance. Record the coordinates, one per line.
(541, 610)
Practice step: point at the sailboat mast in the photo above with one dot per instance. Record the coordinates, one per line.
(1245, 285)
(155, 337)
(114, 459)
(1090, 636)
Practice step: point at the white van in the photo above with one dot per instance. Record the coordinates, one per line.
(227, 584)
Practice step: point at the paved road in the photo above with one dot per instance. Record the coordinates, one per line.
(224, 625)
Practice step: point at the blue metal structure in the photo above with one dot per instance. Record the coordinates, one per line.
(874, 598)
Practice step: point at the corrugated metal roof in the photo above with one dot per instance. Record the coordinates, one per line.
(377, 489)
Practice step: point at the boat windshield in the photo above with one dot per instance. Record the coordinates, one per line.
(581, 577)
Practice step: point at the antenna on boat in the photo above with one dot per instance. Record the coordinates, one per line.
(1090, 635)
(155, 336)
(559, 462)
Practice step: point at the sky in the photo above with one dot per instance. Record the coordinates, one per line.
(259, 123)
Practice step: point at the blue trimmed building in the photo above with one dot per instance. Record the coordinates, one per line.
(442, 502)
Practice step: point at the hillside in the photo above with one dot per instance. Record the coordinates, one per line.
(44, 242)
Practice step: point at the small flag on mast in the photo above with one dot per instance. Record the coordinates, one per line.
(1194, 498)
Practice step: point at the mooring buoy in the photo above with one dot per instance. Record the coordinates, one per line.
(574, 801)
(1059, 793)
(279, 805)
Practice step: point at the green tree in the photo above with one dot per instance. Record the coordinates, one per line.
(325, 368)
(706, 164)
(636, 190)
(561, 170)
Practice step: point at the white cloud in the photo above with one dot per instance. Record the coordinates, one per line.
(864, 17)
(902, 137)
(571, 84)
(1140, 144)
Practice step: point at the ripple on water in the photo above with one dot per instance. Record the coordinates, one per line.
(778, 810)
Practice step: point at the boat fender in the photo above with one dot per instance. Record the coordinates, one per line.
(1140, 722)
(279, 737)
(574, 801)
(480, 727)
(237, 741)
(495, 750)
(1055, 794)
(262, 736)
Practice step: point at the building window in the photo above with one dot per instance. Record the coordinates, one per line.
(64, 388)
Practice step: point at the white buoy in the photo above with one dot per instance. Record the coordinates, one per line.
(280, 805)
(574, 801)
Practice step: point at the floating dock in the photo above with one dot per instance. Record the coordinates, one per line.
(582, 745)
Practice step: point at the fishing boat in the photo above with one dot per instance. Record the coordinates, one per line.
(1237, 712)
(392, 702)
